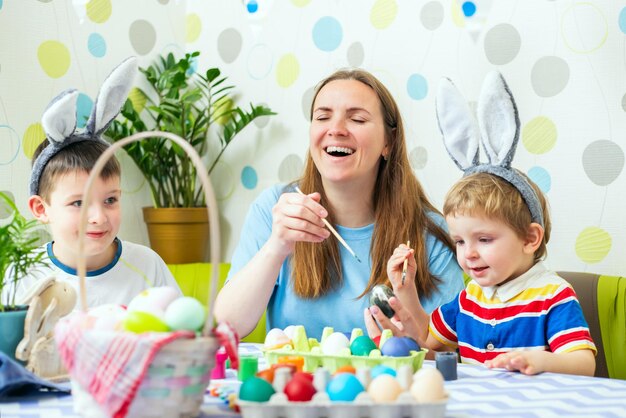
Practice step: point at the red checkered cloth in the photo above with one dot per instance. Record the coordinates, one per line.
(109, 365)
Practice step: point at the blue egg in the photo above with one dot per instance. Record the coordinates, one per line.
(395, 347)
(382, 369)
(411, 344)
(344, 387)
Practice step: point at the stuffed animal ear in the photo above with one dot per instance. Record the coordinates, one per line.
(457, 124)
(498, 120)
(59, 118)
(112, 96)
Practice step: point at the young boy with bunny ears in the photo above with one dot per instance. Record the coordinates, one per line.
(514, 313)
(116, 270)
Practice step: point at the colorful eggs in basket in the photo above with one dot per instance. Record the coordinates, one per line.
(161, 309)
(185, 313)
(362, 346)
(256, 389)
(344, 387)
(335, 343)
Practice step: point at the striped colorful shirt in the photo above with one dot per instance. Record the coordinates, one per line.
(536, 311)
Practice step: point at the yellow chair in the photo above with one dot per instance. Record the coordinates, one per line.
(603, 301)
(194, 280)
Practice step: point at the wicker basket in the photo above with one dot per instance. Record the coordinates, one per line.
(179, 373)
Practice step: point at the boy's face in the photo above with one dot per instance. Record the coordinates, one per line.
(62, 214)
(489, 250)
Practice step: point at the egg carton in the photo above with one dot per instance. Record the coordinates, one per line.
(363, 406)
(311, 351)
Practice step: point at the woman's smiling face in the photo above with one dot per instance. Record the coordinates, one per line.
(347, 133)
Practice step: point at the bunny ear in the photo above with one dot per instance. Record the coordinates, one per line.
(112, 96)
(498, 120)
(457, 124)
(59, 118)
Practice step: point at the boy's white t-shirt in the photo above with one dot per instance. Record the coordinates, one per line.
(133, 269)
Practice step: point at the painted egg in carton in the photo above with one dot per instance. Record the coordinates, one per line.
(336, 350)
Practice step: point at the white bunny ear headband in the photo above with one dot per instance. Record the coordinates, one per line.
(497, 131)
(59, 118)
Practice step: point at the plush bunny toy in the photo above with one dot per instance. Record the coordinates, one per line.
(497, 131)
(59, 118)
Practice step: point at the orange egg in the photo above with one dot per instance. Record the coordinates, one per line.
(345, 369)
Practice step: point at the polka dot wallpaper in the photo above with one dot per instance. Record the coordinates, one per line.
(565, 62)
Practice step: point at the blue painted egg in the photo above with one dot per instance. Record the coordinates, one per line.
(395, 347)
(382, 369)
(411, 344)
(344, 387)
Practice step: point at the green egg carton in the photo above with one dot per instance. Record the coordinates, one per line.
(311, 350)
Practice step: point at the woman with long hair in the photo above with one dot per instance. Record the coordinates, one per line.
(357, 178)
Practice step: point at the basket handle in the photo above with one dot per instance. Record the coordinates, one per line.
(214, 233)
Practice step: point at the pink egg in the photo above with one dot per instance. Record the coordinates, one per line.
(107, 317)
(276, 338)
(153, 299)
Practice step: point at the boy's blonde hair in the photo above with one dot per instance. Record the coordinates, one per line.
(493, 197)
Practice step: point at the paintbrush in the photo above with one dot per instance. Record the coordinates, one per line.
(406, 262)
(335, 233)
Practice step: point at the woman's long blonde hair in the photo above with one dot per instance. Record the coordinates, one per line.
(400, 206)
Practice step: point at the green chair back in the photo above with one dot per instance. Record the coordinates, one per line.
(194, 280)
(603, 301)
(612, 313)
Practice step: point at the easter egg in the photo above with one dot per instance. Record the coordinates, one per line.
(267, 374)
(335, 343)
(107, 317)
(346, 369)
(362, 345)
(427, 385)
(395, 347)
(384, 388)
(290, 331)
(344, 387)
(379, 296)
(276, 338)
(411, 344)
(255, 389)
(153, 298)
(185, 313)
(300, 388)
(382, 369)
(139, 322)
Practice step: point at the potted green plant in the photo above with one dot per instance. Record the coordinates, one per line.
(199, 107)
(19, 240)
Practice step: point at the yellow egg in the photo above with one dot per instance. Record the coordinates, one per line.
(428, 385)
(138, 322)
(384, 388)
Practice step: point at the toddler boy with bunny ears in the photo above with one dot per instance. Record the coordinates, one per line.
(514, 313)
(116, 270)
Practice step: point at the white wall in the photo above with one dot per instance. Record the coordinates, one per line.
(564, 61)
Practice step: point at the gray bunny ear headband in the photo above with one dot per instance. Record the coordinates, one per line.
(497, 131)
(59, 118)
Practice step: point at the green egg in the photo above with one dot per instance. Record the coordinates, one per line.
(361, 346)
(255, 389)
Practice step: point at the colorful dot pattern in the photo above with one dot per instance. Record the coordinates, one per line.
(563, 62)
